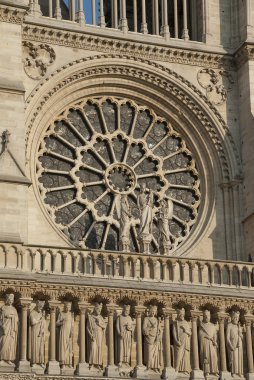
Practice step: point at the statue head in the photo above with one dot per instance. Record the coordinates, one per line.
(126, 310)
(206, 315)
(152, 310)
(142, 187)
(40, 305)
(9, 299)
(97, 308)
(67, 306)
(235, 315)
(180, 314)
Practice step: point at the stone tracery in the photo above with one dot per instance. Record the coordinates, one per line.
(101, 148)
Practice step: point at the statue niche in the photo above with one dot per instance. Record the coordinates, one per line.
(96, 331)
(182, 336)
(208, 345)
(152, 340)
(124, 329)
(37, 325)
(65, 323)
(8, 334)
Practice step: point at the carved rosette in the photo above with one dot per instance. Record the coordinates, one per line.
(37, 58)
(99, 149)
(217, 84)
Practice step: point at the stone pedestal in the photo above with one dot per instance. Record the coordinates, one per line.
(249, 376)
(165, 249)
(170, 373)
(124, 370)
(112, 371)
(182, 376)
(5, 367)
(67, 371)
(82, 369)
(94, 371)
(140, 372)
(225, 375)
(197, 374)
(145, 241)
(53, 368)
(24, 366)
(38, 369)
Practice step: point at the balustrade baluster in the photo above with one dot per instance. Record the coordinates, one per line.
(93, 12)
(165, 27)
(185, 34)
(58, 13)
(176, 19)
(144, 29)
(123, 20)
(102, 16)
(72, 7)
(80, 16)
(156, 18)
(50, 8)
(135, 16)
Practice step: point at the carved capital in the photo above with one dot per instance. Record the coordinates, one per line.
(25, 302)
(139, 310)
(54, 305)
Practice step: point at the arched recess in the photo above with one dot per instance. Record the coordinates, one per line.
(166, 92)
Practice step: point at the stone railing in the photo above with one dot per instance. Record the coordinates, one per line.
(123, 265)
(164, 19)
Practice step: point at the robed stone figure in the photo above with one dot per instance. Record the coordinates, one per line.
(208, 345)
(152, 340)
(8, 331)
(124, 329)
(96, 328)
(145, 205)
(37, 335)
(124, 218)
(234, 341)
(182, 336)
(65, 322)
(165, 215)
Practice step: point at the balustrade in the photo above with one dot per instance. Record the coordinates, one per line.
(161, 18)
(119, 330)
(132, 266)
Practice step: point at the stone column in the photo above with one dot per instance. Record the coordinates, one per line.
(185, 34)
(224, 374)
(165, 27)
(102, 16)
(144, 23)
(58, 12)
(196, 372)
(249, 320)
(53, 365)
(24, 364)
(168, 371)
(139, 370)
(82, 367)
(124, 23)
(111, 369)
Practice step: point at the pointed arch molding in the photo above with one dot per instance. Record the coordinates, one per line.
(152, 85)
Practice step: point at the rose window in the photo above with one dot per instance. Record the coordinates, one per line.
(100, 149)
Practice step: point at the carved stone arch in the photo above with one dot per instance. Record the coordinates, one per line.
(148, 83)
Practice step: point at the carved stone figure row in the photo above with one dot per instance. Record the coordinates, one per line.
(152, 329)
(145, 202)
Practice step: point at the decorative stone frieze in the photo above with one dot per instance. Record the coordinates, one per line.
(134, 49)
(37, 58)
(12, 15)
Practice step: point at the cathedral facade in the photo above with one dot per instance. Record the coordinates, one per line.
(126, 178)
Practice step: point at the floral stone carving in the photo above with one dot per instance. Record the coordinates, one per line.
(98, 151)
(37, 58)
(217, 84)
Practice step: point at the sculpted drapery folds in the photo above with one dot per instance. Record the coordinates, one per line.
(182, 335)
(9, 330)
(145, 205)
(65, 322)
(234, 341)
(208, 345)
(152, 340)
(38, 331)
(125, 215)
(165, 214)
(96, 328)
(124, 328)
